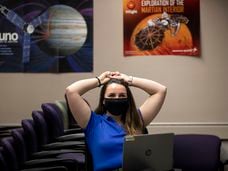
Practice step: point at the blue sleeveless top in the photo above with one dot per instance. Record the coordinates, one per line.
(104, 138)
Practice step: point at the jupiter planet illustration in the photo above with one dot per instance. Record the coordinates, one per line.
(64, 32)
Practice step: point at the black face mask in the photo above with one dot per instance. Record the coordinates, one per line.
(116, 106)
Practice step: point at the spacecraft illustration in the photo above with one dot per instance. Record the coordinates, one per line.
(27, 28)
(152, 35)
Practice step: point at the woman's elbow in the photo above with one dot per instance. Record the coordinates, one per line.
(68, 91)
(163, 90)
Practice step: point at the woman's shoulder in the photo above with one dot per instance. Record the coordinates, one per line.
(96, 117)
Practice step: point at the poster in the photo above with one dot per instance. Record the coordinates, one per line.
(39, 36)
(161, 27)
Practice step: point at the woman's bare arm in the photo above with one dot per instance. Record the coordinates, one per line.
(156, 91)
(78, 106)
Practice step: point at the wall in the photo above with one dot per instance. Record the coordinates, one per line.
(197, 87)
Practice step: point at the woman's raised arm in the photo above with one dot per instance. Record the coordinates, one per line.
(78, 106)
(156, 91)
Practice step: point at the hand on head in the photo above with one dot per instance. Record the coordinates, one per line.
(107, 75)
(120, 76)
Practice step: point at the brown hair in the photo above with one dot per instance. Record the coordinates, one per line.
(131, 120)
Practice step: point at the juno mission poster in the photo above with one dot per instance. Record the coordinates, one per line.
(53, 36)
(161, 27)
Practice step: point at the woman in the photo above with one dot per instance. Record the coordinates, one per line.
(116, 115)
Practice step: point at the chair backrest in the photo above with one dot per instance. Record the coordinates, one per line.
(41, 128)
(194, 152)
(30, 136)
(20, 146)
(3, 165)
(9, 153)
(64, 110)
(53, 118)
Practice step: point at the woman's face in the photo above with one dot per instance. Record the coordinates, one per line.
(115, 90)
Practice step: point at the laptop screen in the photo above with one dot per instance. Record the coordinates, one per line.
(148, 152)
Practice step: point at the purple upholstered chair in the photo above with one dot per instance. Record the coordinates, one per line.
(32, 143)
(72, 161)
(45, 140)
(193, 152)
(9, 154)
(30, 136)
(14, 157)
(74, 150)
(54, 119)
(41, 128)
(3, 163)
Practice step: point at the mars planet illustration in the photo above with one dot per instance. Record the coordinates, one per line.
(162, 41)
(64, 33)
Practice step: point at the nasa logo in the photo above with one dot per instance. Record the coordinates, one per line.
(131, 5)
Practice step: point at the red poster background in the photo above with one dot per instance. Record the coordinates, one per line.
(141, 39)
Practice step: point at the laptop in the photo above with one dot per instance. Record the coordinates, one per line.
(148, 152)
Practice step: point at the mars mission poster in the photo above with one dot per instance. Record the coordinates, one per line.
(161, 27)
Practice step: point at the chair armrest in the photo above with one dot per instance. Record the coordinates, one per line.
(75, 125)
(54, 153)
(65, 145)
(225, 163)
(53, 168)
(71, 137)
(49, 162)
(73, 131)
(222, 165)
